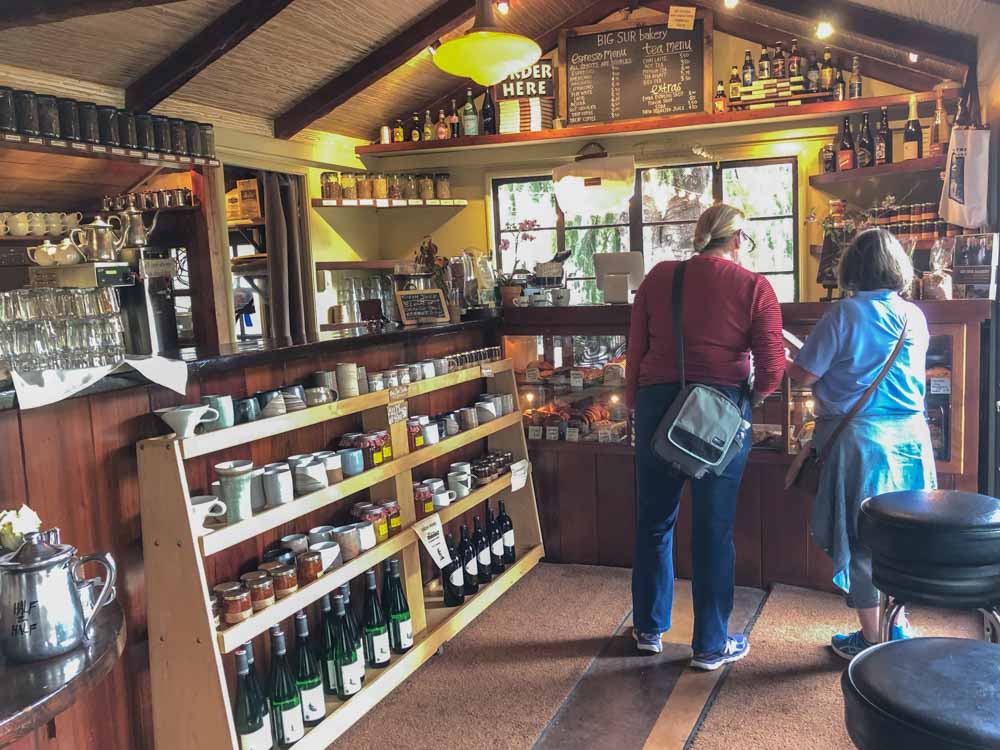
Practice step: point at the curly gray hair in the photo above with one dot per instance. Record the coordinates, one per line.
(875, 260)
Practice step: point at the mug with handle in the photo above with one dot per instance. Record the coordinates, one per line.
(460, 484)
(204, 507)
(444, 498)
(184, 419)
(223, 405)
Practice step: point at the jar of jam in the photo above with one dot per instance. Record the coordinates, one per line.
(261, 589)
(351, 440)
(442, 186)
(414, 435)
(423, 497)
(380, 523)
(385, 443)
(371, 451)
(310, 565)
(393, 516)
(395, 187)
(237, 606)
(409, 186)
(330, 186)
(358, 510)
(425, 187)
(221, 589)
(380, 186)
(364, 183)
(349, 186)
(481, 473)
(285, 581)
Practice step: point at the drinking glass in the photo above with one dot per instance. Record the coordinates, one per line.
(8, 311)
(26, 304)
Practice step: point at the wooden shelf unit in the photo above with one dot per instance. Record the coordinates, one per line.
(381, 203)
(915, 180)
(186, 650)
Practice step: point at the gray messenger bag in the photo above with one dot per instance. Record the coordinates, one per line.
(703, 429)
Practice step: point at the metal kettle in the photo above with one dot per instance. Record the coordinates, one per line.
(41, 615)
(98, 240)
(134, 227)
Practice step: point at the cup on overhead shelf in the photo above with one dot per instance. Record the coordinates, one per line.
(184, 419)
(204, 507)
(223, 404)
(246, 410)
(430, 433)
(309, 477)
(444, 498)
(258, 500)
(234, 479)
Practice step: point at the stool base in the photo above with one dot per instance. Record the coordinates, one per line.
(889, 608)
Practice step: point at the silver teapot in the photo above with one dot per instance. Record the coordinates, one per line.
(41, 615)
(134, 227)
(98, 241)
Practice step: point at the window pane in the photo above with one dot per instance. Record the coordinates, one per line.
(667, 242)
(526, 248)
(784, 286)
(584, 292)
(764, 190)
(775, 249)
(676, 193)
(583, 243)
(526, 201)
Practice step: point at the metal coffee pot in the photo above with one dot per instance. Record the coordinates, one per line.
(41, 615)
(98, 240)
(134, 227)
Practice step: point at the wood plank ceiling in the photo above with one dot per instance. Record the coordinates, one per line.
(308, 43)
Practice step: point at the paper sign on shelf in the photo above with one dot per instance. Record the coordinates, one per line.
(431, 534)
(940, 386)
(681, 17)
(535, 432)
(398, 411)
(519, 474)
(551, 433)
(487, 371)
(572, 434)
(576, 380)
(399, 392)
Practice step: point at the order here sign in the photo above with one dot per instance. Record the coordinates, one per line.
(534, 81)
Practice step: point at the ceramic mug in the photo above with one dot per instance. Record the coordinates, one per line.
(246, 410)
(71, 219)
(295, 397)
(485, 411)
(258, 500)
(234, 480)
(319, 534)
(362, 380)
(460, 484)
(435, 485)
(297, 543)
(204, 507)
(272, 404)
(440, 366)
(352, 461)
(318, 395)
(347, 379)
(223, 404)
(349, 539)
(468, 418)
(430, 433)
(416, 373)
(309, 477)
(444, 498)
(334, 467)
(560, 297)
(184, 419)
(329, 553)
(460, 467)
(427, 367)
(323, 379)
(278, 486)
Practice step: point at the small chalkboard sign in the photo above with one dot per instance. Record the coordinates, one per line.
(422, 306)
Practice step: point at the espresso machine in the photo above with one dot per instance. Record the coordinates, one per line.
(147, 306)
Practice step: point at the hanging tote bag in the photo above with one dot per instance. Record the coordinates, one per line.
(966, 176)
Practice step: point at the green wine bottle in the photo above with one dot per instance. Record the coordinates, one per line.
(482, 545)
(376, 629)
(286, 705)
(328, 628)
(348, 668)
(507, 529)
(255, 685)
(495, 537)
(252, 725)
(352, 623)
(386, 571)
(452, 577)
(307, 675)
(398, 611)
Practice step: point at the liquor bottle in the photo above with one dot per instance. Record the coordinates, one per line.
(398, 611)
(734, 85)
(489, 113)
(720, 103)
(253, 682)
(940, 132)
(456, 131)
(840, 86)
(307, 674)
(856, 87)
(482, 545)
(913, 134)
(398, 132)
(428, 132)
(813, 75)
(345, 667)
(795, 61)
(764, 64)
(828, 158)
(442, 131)
(286, 705)
(495, 537)
(252, 725)
(507, 529)
(883, 139)
(452, 577)
(866, 144)
(352, 623)
(846, 156)
(749, 70)
(470, 117)
(470, 561)
(779, 68)
(827, 73)
(416, 131)
(376, 630)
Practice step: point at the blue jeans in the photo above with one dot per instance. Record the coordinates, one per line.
(713, 511)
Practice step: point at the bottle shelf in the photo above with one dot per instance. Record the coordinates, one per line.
(909, 181)
(388, 203)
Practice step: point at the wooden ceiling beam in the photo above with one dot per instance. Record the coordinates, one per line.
(207, 46)
(17, 13)
(445, 17)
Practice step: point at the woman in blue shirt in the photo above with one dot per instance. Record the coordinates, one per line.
(887, 446)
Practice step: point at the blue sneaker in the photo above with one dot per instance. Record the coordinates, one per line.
(900, 633)
(737, 646)
(649, 642)
(849, 645)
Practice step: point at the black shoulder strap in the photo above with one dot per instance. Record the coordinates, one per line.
(677, 307)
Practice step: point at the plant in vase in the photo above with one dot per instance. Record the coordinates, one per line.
(509, 289)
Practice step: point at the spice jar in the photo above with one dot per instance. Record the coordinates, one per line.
(425, 187)
(380, 186)
(310, 566)
(207, 139)
(409, 186)
(261, 589)
(48, 116)
(237, 606)
(161, 134)
(178, 136)
(127, 131)
(144, 136)
(26, 107)
(393, 516)
(8, 116)
(364, 183)
(395, 187)
(330, 186)
(442, 186)
(349, 186)
(107, 125)
(285, 581)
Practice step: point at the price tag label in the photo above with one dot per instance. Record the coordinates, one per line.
(534, 432)
(432, 202)
(941, 386)
(58, 144)
(487, 371)
(136, 154)
(168, 157)
(381, 203)
(572, 434)
(551, 433)
(366, 201)
(431, 534)
(349, 202)
(396, 202)
(414, 202)
(15, 138)
(531, 375)
(681, 17)
(399, 393)
(519, 474)
(79, 146)
(398, 412)
(184, 159)
(199, 160)
(576, 380)
(118, 151)
(604, 436)
(36, 141)
(100, 149)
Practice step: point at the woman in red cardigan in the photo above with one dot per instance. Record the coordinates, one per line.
(728, 313)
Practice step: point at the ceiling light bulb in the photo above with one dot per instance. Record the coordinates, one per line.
(503, 7)
(824, 30)
(732, 3)
(914, 58)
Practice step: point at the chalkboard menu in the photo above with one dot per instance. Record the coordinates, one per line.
(629, 70)
(422, 306)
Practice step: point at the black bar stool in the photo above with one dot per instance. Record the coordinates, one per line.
(939, 548)
(924, 694)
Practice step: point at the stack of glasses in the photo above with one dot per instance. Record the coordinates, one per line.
(60, 329)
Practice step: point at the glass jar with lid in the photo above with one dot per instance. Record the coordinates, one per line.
(395, 188)
(442, 186)
(425, 187)
(380, 186)
(349, 186)
(410, 186)
(364, 181)
(330, 186)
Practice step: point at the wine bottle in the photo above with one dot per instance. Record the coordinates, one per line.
(840, 86)
(376, 630)
(442, 131)
(307, 674)
(827, 72)
(286, 704)
(507, 529)
(866, 144)
(453, 121)
(720, 103)
(495, 536)
(794, 63)
(940, 131)
(254, 684)
(489, 113)
(734, 85)
(813, 75)
(347, 668)
(846, 156)
(764, 64)
(749, 70)
(452, 577)
(470, 117)
(352, 623)
(482, 545)
(398, 612)
(883, 139)
(470, 561)
(778, 67)
(416, 131)
(252, 730)
(855, 90)
(328, 629)
(913, 134)
(386, 569)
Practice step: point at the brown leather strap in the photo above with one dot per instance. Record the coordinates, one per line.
(865, 397)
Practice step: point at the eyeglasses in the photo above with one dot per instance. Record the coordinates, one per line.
(748, 238)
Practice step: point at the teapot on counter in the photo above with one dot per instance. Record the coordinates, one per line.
(98, 240)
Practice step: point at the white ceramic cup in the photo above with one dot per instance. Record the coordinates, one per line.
(435, 485)
(460, 484)
(461, 467)
(430, 433)
(319, 534)
(427, 366)
(310, 477)
(258, 500)
(299, 458)
(329, 554)
(72, 219)
(278, 486)
(444, 498)
(485, 411)
(204, 507)
(184, 419)
(297, 543)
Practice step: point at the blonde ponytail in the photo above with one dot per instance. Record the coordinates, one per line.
(716, 226)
